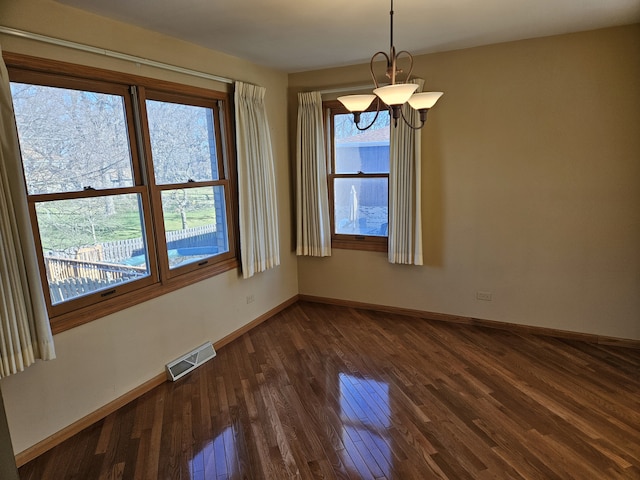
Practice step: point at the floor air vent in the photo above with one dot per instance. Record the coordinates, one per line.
(190, 361)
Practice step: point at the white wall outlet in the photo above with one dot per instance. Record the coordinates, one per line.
(250, 299)
(484, 296)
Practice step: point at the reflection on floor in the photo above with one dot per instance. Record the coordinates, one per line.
(365, 414)
(218, 456)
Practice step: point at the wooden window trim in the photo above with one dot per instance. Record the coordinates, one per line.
(72, 70)
(369, 243)
(25, 69)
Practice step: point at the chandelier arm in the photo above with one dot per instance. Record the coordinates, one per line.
(410, 64)
(423, 119)
(373, 75)
(374, 118)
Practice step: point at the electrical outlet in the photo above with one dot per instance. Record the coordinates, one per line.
(250, 299)
(484, 296)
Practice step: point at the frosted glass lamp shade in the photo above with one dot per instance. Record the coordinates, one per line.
(424, 100)
(356, 103)
(396, 94)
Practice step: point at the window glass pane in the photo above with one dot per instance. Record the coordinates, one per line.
(356, 151)
(183, 142)
(361, 206)
(91, 244)
(71, 139)
(195, 224)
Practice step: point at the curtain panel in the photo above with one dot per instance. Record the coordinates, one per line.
(312, 198)
(25, 332)
(405, 214)
(259, 243)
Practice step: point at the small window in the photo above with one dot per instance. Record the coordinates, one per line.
(358, 179)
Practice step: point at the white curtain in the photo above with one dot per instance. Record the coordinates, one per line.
(405, 215)
(25, 333)
(259, 244)
(313, 228)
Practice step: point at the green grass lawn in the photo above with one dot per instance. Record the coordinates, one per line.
(61, 231)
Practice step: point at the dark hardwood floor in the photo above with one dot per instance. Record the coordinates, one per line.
(321, 391)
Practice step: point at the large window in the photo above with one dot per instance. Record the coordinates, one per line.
(358, 179)
(128, 185)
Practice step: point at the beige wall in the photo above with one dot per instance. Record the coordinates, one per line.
(531, 191)
(106, 358)
(531, 188)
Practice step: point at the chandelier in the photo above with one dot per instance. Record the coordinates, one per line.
(394, 95)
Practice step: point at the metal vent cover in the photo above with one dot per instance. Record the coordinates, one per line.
(190, 361)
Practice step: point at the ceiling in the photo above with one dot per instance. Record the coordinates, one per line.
(297, 35)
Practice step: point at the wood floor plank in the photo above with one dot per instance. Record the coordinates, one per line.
(329, 392)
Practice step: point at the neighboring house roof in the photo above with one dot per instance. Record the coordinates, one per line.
(379, 136)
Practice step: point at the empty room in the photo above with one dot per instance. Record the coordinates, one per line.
(355, 240)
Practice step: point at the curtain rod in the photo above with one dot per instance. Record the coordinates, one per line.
(111, 53)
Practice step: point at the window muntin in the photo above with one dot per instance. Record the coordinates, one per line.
(143, 273)
(358, 179)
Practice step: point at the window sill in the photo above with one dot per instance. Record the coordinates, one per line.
(368, 244)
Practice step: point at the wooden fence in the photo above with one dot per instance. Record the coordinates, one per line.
(119, 250)
(69, 278)
(61, 269)
(90, 270)
(76, 287)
